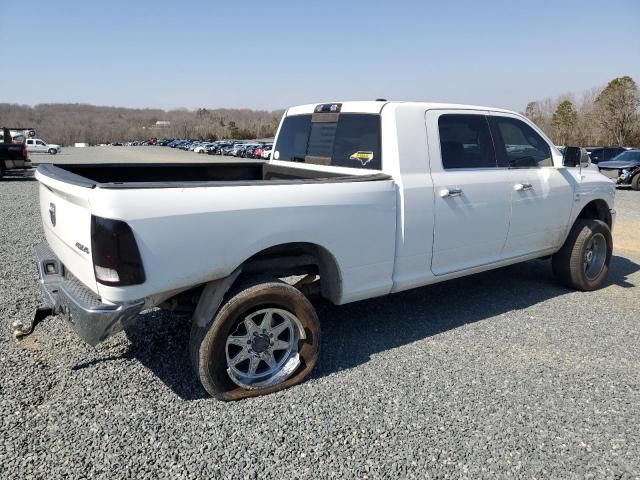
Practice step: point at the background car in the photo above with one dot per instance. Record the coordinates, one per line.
(247, 152)
(624, 169)
(202, 148)
(217, 148)
(603, 154)
(266, 151)
(236, 151)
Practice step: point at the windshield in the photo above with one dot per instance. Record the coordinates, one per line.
(341, 140)
(628, 156)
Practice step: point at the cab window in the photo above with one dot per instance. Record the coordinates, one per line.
(341, 140)
(293, 139)
(465, 142)
(518, 145)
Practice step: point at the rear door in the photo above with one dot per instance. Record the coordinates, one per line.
(66, 220)
(542, 193)
(472, 194)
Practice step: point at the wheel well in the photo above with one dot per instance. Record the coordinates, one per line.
(298, 258)
(597, 210)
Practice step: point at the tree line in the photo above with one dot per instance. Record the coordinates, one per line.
(602, 116)
(65, 124)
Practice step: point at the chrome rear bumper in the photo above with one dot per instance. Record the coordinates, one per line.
(91, 319)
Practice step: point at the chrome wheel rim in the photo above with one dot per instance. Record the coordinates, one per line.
(263, 348)
(595, 256)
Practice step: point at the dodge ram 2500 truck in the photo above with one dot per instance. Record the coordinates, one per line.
(360, 199)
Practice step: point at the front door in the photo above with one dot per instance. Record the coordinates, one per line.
(542, 193)
(472, 200)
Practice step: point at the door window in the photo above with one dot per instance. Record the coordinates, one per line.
(29, 142)
(40, 142)
(465, 142)
(518, 145)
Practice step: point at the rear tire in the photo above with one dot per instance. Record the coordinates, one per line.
(583, 261)
(3, 169)
(635, 182)
(272, 327)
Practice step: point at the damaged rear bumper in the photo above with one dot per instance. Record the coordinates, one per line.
(91, 319)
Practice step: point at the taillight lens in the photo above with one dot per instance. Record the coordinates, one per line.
(25, 153)
(116, 258)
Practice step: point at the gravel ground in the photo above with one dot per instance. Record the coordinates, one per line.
(502, 374)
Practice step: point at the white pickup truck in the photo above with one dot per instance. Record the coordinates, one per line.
(37, 145)
(360, 199)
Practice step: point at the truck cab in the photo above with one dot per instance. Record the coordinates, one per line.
(478, 186)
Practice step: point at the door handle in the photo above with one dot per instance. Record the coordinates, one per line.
(450, 192)
(523, 187)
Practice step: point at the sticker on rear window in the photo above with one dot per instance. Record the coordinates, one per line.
(362, 157)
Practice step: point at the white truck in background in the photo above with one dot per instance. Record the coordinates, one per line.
(361, 199)
(37, 145)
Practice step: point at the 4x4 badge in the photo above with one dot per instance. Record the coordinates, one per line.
(52, 213)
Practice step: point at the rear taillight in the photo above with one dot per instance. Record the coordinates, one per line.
(25, 154)
(116, 258)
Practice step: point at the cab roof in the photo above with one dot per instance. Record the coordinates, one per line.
(377, 106)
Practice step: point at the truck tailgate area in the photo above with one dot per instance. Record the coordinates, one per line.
(66, 220)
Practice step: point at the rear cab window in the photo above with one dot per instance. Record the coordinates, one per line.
(328, 138)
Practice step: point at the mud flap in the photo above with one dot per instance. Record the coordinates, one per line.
(211, 298)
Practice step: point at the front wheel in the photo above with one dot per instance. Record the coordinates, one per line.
(263, 339)
(583, 261)
(635, 182)
(52, 151)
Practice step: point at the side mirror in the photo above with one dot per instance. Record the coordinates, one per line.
(575, 157)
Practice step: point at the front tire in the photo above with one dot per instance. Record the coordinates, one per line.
(583, 261)
(264, 338)
(635, 182)
(52, 151)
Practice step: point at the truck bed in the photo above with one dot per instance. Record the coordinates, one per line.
(172, 175)
(195, 223)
